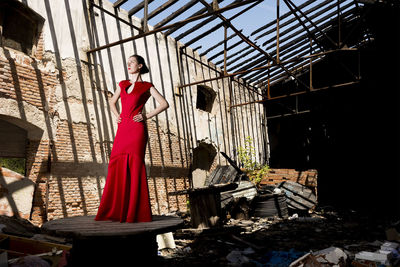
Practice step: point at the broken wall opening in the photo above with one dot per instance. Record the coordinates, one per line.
(203, 157)
(20, 26)
(13, 146)
(205, 98)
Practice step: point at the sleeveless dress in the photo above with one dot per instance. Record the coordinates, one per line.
(125, 195)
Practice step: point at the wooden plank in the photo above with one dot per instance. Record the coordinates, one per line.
(205, 209)
(86, 227)
(211, 188)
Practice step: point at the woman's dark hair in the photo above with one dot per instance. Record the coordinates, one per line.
(140, 60)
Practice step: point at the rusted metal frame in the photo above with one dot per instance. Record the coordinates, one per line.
(239, 89)
(298, 46)
(225, 45)
(195, 28)
(213, 29)
(311, 63)
(176, 13)
(240, 55)
(272, 23)
(244, 38)
(257, 68)
(180, 23)
(277, 75)
(275, 70)
(317, 14)
(235, 54)
(138, 7)
(277, 31)
(262, 51)
(222, 52)
(259, 74)
(216, 45)
(296, 41)
(288, 22)
(247, 103)
(360, 23)
(249, 87)
(301, 56)
(256, 59)
(304, 26)
(300, 31)
(339, 25)
(231, 75)
(114, 16)
(119, 3)
(310, 21)
(314, 90)
(201, 11)
(161, 8)
(288, 114)
(197, 48)
(297, 65)
(212, 68)
(145, 26)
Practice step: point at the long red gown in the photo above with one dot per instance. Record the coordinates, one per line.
(125, 195)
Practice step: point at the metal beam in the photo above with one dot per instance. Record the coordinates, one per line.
(287, 22)
(145, 25)
(213, 29)
(180, 23)
(314, 90)
(264, 67)
(114, 16)
(176, 13)
(137, 8)
(119, 3)
(161, 8)
(216, 45)
(289, 2)
(310, 35)
(201, 11)
(244, 38)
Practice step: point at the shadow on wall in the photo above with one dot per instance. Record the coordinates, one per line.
(68, 162)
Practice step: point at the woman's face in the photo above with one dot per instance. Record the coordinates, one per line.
(133, 66)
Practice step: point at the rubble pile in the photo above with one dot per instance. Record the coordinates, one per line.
(318, 239)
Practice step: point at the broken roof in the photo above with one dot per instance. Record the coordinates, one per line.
(281, 48)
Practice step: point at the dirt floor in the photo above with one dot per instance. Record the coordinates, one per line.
(275, 241)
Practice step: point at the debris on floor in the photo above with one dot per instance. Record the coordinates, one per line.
(322, 238)
(23, 244)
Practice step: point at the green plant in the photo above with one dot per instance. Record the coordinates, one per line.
(254, 170)
(246, 155)
(14, 164)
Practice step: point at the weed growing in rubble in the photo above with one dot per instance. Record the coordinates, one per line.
(254, 170)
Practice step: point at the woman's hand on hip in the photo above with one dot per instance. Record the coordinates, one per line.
(139, 117)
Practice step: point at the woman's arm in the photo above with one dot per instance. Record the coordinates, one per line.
(162, 105)
(113, 100)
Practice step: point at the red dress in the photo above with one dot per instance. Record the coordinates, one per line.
(126, 196)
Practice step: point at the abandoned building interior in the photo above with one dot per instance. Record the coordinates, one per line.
(312, 91)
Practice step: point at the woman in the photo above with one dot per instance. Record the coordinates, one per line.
(125, 196)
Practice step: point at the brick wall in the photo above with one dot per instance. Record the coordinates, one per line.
(19, 80)
(167, 169)
(276, 176)
(37, 168)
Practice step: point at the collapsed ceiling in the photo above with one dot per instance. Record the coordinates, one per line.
(280, 49)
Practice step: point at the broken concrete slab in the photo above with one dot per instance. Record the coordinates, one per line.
(331, 256)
